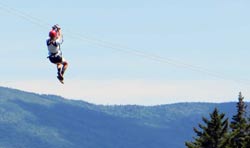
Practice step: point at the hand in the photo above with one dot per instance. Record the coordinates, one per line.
(56, 27)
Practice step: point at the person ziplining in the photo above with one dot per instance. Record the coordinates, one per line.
(54, 43)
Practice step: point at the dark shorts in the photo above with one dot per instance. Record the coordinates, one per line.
(56, 59)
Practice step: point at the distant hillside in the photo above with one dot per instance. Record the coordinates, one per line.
(29, 120)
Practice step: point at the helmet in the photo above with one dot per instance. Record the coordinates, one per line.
(52, 34)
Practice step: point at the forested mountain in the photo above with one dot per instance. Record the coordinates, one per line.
(29, 120)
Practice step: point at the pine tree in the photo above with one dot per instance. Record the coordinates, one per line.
(247, 140)
(237, 137)
(212, 133)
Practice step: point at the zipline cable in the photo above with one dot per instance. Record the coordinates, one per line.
(24, 16)
(115, 47)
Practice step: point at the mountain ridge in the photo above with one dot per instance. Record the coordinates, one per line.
(54, 121)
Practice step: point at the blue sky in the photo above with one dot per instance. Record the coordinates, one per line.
(213, 35)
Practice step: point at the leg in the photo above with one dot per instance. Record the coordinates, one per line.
(65, 66)
(58, 61)
(59, 70)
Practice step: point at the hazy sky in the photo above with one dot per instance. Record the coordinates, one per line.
(101, 40)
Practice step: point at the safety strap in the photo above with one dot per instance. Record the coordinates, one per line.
(49, 42)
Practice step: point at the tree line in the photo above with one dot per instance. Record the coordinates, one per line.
(219, 132)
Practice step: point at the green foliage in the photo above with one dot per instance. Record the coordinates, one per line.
(215, 134)
(212, 133)
(238, 135)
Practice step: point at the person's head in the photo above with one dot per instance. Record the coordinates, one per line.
(53, 34)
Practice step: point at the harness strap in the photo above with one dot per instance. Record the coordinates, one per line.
(54, 55)
(49, 42)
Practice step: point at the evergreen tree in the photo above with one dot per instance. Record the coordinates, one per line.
(212, 133)
(247, 140)
(238, 135)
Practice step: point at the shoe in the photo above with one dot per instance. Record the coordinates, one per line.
(60, 79)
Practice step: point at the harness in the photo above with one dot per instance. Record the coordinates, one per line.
(49, 42)
(55, 55)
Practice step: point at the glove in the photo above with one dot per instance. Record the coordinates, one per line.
(56, 27)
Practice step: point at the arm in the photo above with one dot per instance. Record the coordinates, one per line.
(60, 36)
